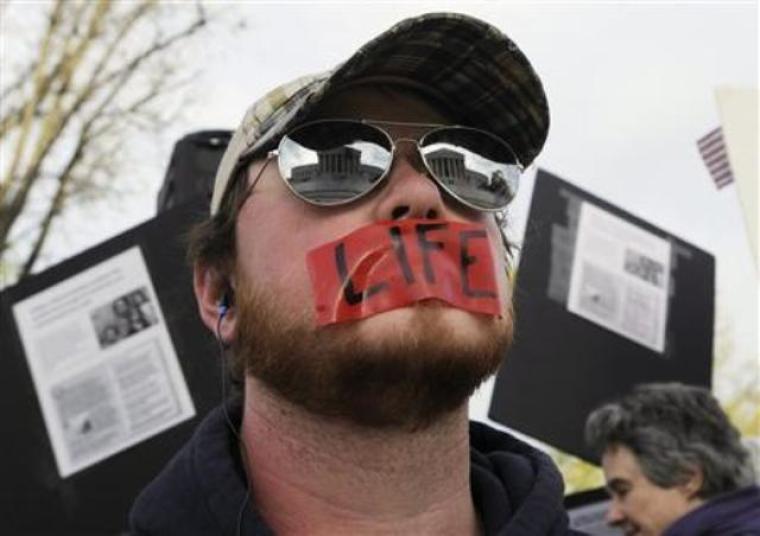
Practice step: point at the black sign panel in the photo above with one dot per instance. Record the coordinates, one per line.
(36, 500)
(562, 365)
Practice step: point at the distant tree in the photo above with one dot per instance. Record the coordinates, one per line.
(97, 71)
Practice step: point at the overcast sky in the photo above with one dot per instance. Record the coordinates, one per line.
(631, 86)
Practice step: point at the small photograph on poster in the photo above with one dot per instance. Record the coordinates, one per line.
(124, 316)
(103, 364)
(600, 293)
(88, 411)
(645, 268)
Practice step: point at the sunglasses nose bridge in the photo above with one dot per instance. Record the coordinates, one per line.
(410, 190)
(412, 154)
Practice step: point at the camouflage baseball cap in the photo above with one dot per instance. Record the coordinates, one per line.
(466, 62)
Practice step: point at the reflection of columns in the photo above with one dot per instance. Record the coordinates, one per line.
(448, 164)
(339, 161)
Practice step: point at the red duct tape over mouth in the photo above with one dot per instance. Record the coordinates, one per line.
(390, 264)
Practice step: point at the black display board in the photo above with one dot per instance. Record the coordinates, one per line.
(192, 168)
(561, 365)
(35, 500)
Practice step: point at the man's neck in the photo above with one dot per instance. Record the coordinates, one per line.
(319, 476)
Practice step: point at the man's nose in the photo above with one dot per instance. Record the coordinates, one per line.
(410, 192)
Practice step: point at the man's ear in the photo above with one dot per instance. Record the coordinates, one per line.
(213, 293)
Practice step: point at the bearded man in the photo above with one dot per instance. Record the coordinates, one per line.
(355, 269)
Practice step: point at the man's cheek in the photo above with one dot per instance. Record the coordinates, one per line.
(280, 273)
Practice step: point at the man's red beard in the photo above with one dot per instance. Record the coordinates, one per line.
(407, 382)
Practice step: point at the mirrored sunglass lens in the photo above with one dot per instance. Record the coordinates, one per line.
(333, 162)
(475, 166)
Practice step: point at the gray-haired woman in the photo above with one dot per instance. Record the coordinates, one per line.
(674, 464)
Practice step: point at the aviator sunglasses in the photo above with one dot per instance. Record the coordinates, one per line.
(336, 161)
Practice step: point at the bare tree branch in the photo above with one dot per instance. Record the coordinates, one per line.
(14, 115)
(52, 125)
(76, 95)
(44, 228)
(27, 111)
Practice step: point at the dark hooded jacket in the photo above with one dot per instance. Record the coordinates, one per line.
(731, 514)
(516, 489)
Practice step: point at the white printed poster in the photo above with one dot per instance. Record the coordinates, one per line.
(102, 362)
(620, 277)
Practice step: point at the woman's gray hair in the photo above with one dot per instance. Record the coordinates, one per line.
(673, 429)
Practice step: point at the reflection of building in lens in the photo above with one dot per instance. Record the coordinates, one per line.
(471, 185)
(338, 174)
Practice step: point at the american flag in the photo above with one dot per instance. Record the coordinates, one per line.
(713, 152)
